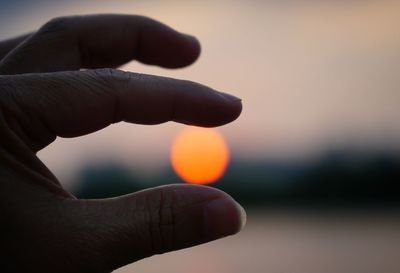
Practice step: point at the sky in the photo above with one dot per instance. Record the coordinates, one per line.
(313, 76)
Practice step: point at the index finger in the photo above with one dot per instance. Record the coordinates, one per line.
(70, 104)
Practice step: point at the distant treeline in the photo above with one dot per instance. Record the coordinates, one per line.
(336, 179)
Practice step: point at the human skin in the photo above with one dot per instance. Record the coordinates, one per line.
(44, 94)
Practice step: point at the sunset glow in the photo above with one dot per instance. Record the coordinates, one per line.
(199, 155)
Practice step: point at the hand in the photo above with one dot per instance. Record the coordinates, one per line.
(43, 227)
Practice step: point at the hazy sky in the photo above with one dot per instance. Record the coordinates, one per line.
(313, 75)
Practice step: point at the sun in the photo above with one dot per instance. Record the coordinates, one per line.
(199, 155)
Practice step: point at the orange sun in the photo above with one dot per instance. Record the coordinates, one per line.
(199, 155)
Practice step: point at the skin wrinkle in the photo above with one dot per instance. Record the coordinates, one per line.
(103, 91)
(117, 115)
(49, 97)
(161, 222)
(21, 132)
(175, 100)
(61, 34)
(161, 242)
(110, 79)
(150, 229)
(155, 223)
(69, 102)
(173, 222)
(92, 237)
(138, 44)
(53, 32)
(167, 220)
(42, 99)
(44, 177)
(173, 106)
(81, 52)
(55, 231)
(7, 119)
(139, 47)
(35, 178)
(135, 50)
(26, 47)
(85, 55)
(32, 139)
(21, 145)
(44, 121)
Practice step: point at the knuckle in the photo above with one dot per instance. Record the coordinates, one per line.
(143, 21)
(108, 73)
(58, 24)
(112, 77)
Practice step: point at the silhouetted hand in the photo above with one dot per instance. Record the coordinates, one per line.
(43, 227)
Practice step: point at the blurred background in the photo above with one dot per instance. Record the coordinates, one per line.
(315, 155)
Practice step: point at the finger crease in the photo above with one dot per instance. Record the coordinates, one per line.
(173, 105)
(160, 223)
(83, 60)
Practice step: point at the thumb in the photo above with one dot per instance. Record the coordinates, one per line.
(128, 228)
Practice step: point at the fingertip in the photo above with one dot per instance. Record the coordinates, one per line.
(224, 109)
(234, 104)
(223, 217)
(164, 46)
(161, 219)
(193, 48)
(185, 51)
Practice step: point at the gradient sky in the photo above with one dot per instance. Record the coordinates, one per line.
(313, 75)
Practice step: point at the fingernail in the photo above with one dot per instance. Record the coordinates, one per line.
(223, 217)
(231, 97)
